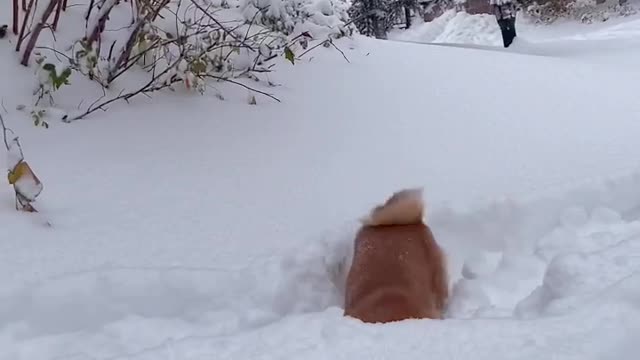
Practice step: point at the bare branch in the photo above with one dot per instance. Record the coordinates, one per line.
(24, 22)
(100, 24)
(4, 132)
(148, 87)
(339, 50)
(57, 16)
(57, 52)
(220, 25)
(16, 16)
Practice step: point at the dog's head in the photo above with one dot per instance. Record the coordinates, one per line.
(404, 207)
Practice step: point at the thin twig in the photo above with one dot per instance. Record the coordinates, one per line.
(57, 52)
(244, 86)
(220, 25)
(148, 87)
(5, 130)
(88, 15)
(340, 51)
(132, 61)
(312, 48)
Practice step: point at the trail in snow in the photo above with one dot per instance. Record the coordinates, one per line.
(612, 43)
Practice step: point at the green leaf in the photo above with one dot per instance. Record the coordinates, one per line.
(289, 55)
(49, 67)
(198, 67)
(65, 75)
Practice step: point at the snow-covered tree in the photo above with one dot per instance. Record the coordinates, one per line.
(374, 17)
(377, 17)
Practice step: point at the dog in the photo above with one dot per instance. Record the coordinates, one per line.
(398, 271)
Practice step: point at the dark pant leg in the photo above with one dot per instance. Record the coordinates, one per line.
(504, 29)
(513, 26)
(510, 31)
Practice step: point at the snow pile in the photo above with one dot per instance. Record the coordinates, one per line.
(586, 258)
(590, 257)
(493, 284)
(454, 27)
(426, 31)
(464, 28)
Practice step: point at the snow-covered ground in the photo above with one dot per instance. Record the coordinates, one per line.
(186, 227)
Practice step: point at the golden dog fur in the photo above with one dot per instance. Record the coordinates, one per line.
(398, 270)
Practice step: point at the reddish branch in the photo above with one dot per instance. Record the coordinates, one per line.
(57, 17)
(100, 25)
(123, 59)
(35, 33)
(24, 23)
(126, 52)
(16, 18)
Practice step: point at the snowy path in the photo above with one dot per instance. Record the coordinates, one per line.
(613, 43)
(218, 240)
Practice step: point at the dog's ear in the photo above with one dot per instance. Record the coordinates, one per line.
(402, 208)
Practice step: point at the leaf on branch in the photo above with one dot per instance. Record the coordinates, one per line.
(289, 55)
(198, 67)
(25, 182)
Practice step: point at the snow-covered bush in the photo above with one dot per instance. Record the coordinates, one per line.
(181, 44)
(585, 11)
(320, 18)
(51, 76)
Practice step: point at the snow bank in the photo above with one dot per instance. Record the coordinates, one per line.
(454, 27)
(578, 262)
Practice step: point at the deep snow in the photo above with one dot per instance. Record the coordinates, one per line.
(186, 227)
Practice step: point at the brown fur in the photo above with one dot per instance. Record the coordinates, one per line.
(398, 270)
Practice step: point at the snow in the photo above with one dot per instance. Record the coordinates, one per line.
(454, 27)
(186, 227)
